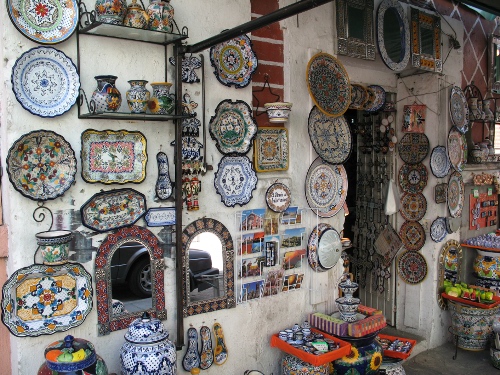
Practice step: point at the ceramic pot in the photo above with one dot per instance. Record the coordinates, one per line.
(487, 265)
(365, 357)
(488, 113)
(54, 245)
(278, 112)
(162, 101)
(106, 97)
(98, 368)
(161, 16)
(138, 96)
(291, 365)
(70, 355)
(147, 350)
(110, 11)
(136, 16)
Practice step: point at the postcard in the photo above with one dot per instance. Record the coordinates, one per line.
(252, 243)
(293, 237)
(293, 259)
(251, 290)
(251, 267)
(273, 282)
(252, 219)
(292, 281)
(292, 215)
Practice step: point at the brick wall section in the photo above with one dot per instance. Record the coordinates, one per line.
(268, 46)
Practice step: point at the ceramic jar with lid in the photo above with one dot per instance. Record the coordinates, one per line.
(147, 350)
(161, 16)
(70, 355)
(136, 16)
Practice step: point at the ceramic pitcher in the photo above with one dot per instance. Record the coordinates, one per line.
(136, 16)
(106, 97)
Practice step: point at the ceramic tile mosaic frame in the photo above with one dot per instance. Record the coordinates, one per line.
(271, 149)
(414, 118)
(421, 20)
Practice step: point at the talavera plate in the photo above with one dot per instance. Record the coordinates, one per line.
(235, 180)
(412, 267)
(456, 194)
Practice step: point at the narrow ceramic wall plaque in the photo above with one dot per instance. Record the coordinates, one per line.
(163, 183)
(160, 216)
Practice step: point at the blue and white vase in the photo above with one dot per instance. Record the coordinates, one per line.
(138, 96)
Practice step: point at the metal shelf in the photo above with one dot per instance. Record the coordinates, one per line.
(130, 116)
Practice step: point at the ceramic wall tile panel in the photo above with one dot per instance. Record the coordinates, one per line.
(414, 117)
(271, 149)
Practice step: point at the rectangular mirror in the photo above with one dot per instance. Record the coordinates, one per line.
(494, 64)
(425, 39)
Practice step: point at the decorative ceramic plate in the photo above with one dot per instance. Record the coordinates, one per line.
(235, 180)
(330, 136)
(457, 149)
(234, 61)
(371, 98)
(271, 149)
(412, 234)
(413, 148)
(113, 209)
(328, 84)
(438, 229)
(459, 110)
(113, 157)
(413, 206)
(324, 247)
(413, 178)
(456, 194)
(160, 216)
(41, 299)
(453, 224)
(278, 197)
(440, 164)
(44, 21)
(45, 82)
(378, 101)
(41, 165)
(412, 267)
(233, 127)
(326, 187)
(359, 96)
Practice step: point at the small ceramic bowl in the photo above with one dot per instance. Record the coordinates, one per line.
(278, 111)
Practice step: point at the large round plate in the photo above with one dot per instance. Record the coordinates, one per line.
(412, 267)
(234, 61)
(330, 136)
(412, 234)
(440, 163)
(233, 127)
(235, 180)
(378, 100)
(413, 147)
(278, 197)
(456, 194)
(328, 84)
(413, 206)
(459, 110)
(457, 149)
(44, 21)
(45, 82)
(413, 178)
(41, 165)
(326, 187)
(324, 248)
(359, 96)
(438, 229)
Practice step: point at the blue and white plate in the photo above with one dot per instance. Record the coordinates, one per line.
(438, 230)
(440, 163)
(235, 180)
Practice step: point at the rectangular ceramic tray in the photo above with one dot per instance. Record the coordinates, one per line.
(473, 303)
(316, 360)
(395, 354)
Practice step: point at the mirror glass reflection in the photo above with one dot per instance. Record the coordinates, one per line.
(355, 22)
(427, 40)
(392, 35)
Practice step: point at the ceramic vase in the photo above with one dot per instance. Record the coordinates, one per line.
(137, 96)
(54, 246)
(106, 97)
(278, 112)
(162, 101)
(136, 16)
(488, 113)
(473, 113)
(365, 357)
(487, 265)
(110, 11)
(161, 16)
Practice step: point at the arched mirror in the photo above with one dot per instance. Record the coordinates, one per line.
(450, 262)
(393, 35)
(129, 278)
(208, 270)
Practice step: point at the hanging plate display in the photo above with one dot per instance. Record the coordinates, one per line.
(324, 248)
(328, 84)
(413, 178)
(41, 165)
(359, 96)
(456, 194)
(412, 234)
(234, 61)
(330, 136)
(233, 127)
(45, 82)
(378, 100)
(412, 267)
(413, 206)
(235, 180)
(113, 157)
(113, 209)
(271, 149)
(278, 197)
(457, 149)
(413, 147)
(459, 110)
(438, 230)
(42, 299)
(44, 21)
(371, 99)
(326, 187)
(440, 163)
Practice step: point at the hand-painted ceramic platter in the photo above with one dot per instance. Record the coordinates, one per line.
(370, 100)
(233, 127)
(326, 187)
(459, 110)
(324, 248)
(457, 149)
(412, 267)
(412, 234)
(271, 149)
(235, 180)
(44, 21)
(41, 165)
(413, 206)
(278, 197)
(42, 299)
(330, 136)
(45, 82)
(378, 101)
(413, 178)
(413, 148)
(456, 194)
(328, 84)
(160, 216)
(438, 229)
(440, 163)
(359, 96)
(234, 61)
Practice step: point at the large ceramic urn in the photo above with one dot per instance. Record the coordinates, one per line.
(147, 350)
